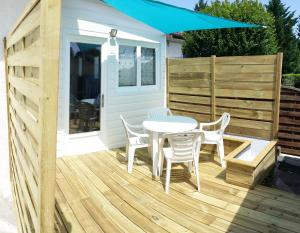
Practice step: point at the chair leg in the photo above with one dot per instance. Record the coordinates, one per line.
(131, 151)
(220, 147)
(150, 147)
(168, 176)
(161, 164)
(196, 167)
(190, 167)
(126, 152)
(149, 151)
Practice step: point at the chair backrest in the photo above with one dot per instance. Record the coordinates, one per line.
(154, 112)
(73, 104)
(185, 145)
(97, 101)
(86, 111)
(125, 124)
(224, 122)
(128, 130)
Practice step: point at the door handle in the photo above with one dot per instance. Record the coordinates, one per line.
(102, 101)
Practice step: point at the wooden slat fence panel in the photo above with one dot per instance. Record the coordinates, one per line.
(189, 87)
(31, 113)
(289, 123)
(246, 87)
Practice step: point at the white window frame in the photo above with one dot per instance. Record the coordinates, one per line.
(139, 87)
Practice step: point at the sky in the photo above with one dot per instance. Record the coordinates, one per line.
(294, 4)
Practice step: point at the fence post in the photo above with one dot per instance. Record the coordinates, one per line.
(278, 74)
(49, 73)
(212, 86)
(167, 83)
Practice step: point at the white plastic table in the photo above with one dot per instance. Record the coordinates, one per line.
(88, 101)
(166, 124)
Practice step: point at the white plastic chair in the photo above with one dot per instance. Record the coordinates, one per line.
(159, 112)
(135, 140)
(215, 136)
(184, 147)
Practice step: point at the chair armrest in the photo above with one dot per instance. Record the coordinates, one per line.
(135, 126)
(211, 131)
(143, 135)
(201, 125)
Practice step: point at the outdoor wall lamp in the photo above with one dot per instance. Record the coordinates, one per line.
(113, 33)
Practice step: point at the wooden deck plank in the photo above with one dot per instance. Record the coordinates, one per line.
(97, 188)
(66, 213)
(238, 197)
(233, 197)
(110, 214)
(185, 209)
(118, 192)
(73, 198)
(231, 215)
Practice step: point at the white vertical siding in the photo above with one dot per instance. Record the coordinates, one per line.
(91, 19)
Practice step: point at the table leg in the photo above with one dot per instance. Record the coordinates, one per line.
(150, 146)
(155, 152)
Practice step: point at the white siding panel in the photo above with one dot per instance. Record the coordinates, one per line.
(174, 50)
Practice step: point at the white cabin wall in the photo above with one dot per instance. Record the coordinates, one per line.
(94, 20)
(174, 50)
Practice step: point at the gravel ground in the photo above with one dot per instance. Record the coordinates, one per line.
(7, 216)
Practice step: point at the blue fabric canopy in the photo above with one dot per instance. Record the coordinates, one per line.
(169, 19)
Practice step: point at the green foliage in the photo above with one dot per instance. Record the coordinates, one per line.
(202, 4)
(291, 80)
(285, 21)
(229, 42)
(298, 30)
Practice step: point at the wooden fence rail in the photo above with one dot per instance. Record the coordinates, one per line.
(247, 87)
(289, 124)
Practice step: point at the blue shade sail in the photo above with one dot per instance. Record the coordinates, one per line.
(169, 19)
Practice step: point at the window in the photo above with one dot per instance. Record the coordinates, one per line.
(127, 66)
(148, 66)
(137, 66)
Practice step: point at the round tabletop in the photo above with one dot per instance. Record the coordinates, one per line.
(170, 124)
(88, 101)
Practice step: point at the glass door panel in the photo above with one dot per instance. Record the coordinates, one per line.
(85, 88)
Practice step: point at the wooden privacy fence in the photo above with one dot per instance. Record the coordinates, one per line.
(247, 87)
(289, 124)
(31, 56)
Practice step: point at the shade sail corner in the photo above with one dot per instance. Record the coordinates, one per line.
(161, 16)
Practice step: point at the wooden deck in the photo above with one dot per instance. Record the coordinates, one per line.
(96, 194)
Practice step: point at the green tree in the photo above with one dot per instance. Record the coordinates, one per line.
(202, 4)
(239, 41)
(298, 32)
(298, 29)
(285, 21)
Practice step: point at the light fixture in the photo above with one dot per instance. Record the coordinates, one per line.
(113, 33)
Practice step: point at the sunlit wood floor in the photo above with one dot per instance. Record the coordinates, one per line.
(96, 194)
